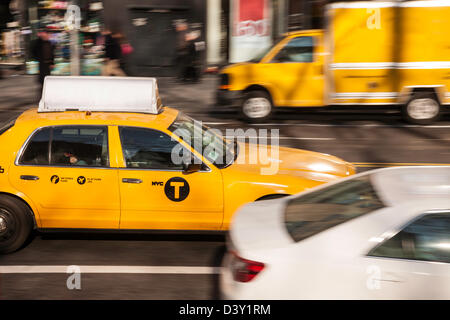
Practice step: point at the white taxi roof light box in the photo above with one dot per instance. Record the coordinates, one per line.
(102, 94)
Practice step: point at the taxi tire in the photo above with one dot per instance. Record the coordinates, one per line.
(252, 95)
(18, 215)
(421, 96)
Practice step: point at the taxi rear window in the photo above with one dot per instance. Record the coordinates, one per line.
(323, 209)
(5, 126)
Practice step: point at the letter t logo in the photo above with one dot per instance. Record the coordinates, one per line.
(177, 186)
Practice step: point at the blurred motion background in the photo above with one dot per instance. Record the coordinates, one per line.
(150, 28)
(185, 44)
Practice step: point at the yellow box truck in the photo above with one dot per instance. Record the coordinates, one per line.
(370, 54)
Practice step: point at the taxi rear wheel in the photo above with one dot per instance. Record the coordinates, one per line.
(15, 224)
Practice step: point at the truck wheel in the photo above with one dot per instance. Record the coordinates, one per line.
(15, 224)
(422, 108)
(256, 106)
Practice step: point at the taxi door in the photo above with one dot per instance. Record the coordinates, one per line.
(157, 194)
(65, 171)
(296, 72)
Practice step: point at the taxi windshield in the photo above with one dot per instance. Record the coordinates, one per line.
(206, 141)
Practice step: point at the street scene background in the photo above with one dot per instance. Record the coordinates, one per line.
(369, 139)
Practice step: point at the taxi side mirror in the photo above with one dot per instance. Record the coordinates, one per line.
(191, 167)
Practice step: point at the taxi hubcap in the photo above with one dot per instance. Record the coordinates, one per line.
(7, 224)
(425, 108)
(257, 107)
(2, 224)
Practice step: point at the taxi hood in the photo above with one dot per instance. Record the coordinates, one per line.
(289, 161)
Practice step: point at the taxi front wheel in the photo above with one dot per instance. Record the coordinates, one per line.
(256, 106)
(15, 224)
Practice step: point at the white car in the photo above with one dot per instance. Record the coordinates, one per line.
(382, 234)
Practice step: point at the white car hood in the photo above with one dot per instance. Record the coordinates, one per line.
(259, 226)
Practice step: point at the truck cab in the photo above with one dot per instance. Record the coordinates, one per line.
(290, 74)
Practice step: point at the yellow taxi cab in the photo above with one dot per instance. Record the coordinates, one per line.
(98, 153)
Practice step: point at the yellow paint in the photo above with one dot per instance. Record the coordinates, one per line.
(98, 198)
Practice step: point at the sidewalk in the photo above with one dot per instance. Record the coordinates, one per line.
(18, 93)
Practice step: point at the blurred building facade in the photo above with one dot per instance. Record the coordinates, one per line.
(11, 40)
(227, 30)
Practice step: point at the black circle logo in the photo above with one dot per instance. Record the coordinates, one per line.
(176, 189)
(54, 179)
(81, 180)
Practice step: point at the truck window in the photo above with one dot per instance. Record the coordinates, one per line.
(299, 49)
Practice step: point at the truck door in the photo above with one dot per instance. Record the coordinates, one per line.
(296, 71)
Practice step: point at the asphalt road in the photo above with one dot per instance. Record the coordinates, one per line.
(159, 266)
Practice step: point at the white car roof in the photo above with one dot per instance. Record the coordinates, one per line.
(103, 94)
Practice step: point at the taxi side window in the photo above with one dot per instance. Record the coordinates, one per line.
(299, 49)
(68, 146)
(79, 146)
(149, 149)
(36, 152)
(426, 239)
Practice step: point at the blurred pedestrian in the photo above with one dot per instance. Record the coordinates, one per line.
(126, 50)
(181, 50)
(44, 52)
(113, 55)
(193, 64)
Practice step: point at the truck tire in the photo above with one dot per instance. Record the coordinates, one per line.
(15, 224)
(256, 106)
(422, 108)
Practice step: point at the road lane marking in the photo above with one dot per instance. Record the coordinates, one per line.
(395, 164)
(280, 138)
(112, 269)
(372, 125)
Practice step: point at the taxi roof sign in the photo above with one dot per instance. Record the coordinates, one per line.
(102, 94)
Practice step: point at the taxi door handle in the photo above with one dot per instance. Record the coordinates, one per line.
(32, 178)
(128, 180)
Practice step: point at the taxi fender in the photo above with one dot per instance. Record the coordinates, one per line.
(240, 193)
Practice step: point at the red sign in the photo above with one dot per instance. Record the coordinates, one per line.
(251, 10)
(251, 18)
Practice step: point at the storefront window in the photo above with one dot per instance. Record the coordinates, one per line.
(51, 16)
